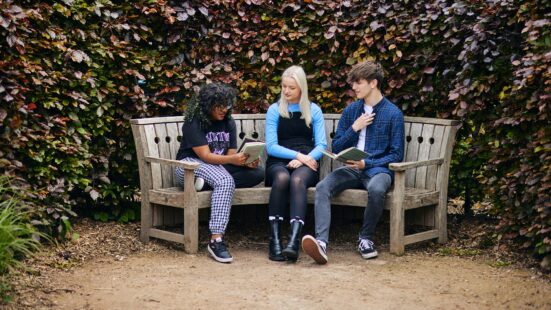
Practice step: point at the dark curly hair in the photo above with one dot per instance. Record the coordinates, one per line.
(209, 96)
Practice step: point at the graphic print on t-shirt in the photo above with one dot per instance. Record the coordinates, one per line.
(218, 142)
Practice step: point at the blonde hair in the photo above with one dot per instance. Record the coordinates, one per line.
(298, 74)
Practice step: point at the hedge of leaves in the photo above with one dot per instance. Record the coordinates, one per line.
(73, 72)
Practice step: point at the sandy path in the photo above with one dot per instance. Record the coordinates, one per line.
(175, 280)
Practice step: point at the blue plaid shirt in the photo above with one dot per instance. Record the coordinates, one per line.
(384, 138)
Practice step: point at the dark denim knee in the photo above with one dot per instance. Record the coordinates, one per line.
(323, 187)
(378, 189)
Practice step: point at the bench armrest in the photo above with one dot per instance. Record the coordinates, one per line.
(414, 164)
(172, 162)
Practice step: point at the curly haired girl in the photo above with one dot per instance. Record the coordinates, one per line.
(209, 138)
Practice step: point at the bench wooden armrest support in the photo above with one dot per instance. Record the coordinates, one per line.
(172, 162)
(414, 164)
(191, 205)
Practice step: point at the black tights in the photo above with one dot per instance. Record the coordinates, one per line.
(289, 185)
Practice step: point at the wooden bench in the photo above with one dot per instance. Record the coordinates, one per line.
(421, 181)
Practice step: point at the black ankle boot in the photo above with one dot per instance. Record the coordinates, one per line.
(275, 241)
(291, 251)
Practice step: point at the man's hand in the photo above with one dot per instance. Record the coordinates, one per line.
(363, 121)
(356, 164)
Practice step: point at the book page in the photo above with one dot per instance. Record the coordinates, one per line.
(352, 154)
(254, 150)
(245, 141)
(328, 154)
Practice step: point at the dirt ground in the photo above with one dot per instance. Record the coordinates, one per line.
(108, 268)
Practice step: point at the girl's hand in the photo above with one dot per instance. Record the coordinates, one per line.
(294, 164)
(308, 161)
(238, 159)
(253, 164)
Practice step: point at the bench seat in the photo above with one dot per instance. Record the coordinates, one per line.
(174, 197)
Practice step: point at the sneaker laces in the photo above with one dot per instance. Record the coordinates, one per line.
(322, 245)
(366, 244)
(220, 245)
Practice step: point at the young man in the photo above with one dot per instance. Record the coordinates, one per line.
(375, 125)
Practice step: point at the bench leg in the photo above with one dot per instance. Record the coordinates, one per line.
(146, 220)
(397, 230)
(191, 229)
(397, 214)
(441, 222)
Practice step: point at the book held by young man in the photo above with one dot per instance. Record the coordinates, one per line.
(351, 153)
(253, 148)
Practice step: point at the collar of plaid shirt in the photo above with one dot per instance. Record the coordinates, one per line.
(376, 107)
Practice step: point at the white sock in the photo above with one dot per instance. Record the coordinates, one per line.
(296, 220)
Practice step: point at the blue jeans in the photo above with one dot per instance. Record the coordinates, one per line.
(349, 178)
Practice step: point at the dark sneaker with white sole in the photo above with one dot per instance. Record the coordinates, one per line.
(315, 249)
(366, 248)
(218, 250)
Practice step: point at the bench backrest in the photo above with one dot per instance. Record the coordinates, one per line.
(426, 138)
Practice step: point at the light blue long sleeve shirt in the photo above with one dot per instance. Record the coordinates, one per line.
(318, 124)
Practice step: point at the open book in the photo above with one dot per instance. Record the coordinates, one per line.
(253, 148)
(351, 153)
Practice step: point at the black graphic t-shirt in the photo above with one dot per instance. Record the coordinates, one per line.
(220, 137)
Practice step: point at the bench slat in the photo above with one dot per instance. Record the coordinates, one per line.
(424, 153)
(413, 238)
(260, 125)
(152, 150)
(155, 170)
(423, 216)
(164, 152)
(239, 132)
(173, 132)
(166, 235)
(434, 152)
(413, 151)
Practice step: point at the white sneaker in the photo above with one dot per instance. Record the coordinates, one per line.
(199, 184)
(315, 249)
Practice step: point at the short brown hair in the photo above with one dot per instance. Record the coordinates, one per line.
(368, 71)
